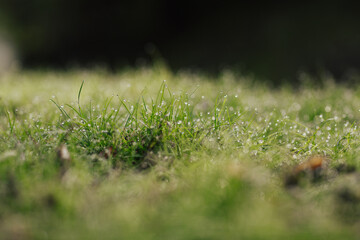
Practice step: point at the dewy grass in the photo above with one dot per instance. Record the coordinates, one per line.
(132, 132)
(224, 159)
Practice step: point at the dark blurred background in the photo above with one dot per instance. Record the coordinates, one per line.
(271, 40)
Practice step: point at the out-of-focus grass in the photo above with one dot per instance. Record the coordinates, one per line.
(186, 158)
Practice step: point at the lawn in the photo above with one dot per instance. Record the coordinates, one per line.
(149, 154)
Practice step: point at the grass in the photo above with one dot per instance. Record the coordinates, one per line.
(90, 155)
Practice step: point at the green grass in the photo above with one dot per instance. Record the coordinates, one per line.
(186, 158)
